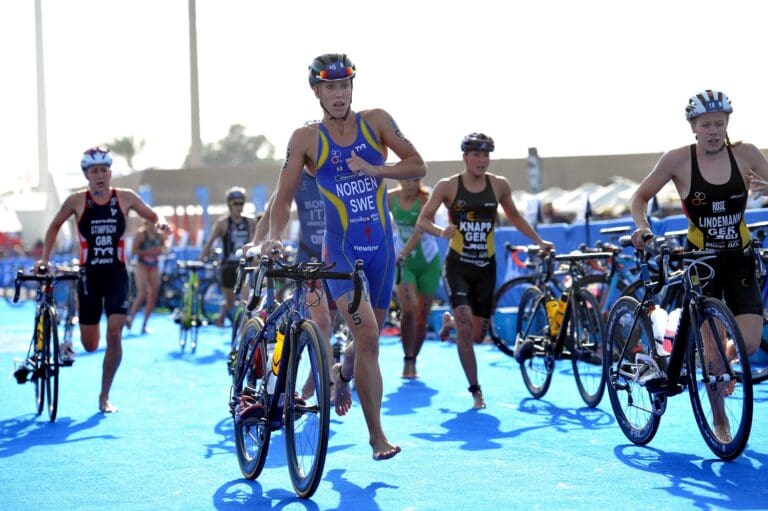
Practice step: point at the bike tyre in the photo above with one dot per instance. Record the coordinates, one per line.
(741, 393)
(52, 366)
(307, 418)
(532, 323)
(587, 334)
(506, 297)
(631, 402)
(252, 434)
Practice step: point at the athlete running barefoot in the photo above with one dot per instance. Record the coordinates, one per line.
(347, 151)
(420, 269)
(712, 177)
(100, 212)
(472, 198)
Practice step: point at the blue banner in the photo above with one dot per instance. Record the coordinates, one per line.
(145, 192)
(204, 200)
(259, 194)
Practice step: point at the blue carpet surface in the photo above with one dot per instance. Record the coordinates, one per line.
(171, 444)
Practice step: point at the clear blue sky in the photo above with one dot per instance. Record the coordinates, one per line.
(572, 78)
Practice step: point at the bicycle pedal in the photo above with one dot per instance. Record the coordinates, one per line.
(524, 351)
(656, 383)
(21, 375)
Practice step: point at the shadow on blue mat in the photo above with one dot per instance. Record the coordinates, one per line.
(27, 431)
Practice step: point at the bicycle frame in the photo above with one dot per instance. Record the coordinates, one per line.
(707, 353)
(42, 358)
(299, 400)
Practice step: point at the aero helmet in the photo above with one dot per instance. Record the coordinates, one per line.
(330, 67)
(706, 102)
(477, 142)
(235, 193)
(95, 156)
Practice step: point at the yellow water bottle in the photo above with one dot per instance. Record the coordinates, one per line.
(551, 307)
(279, 338)
(557, 323)
(39, 334)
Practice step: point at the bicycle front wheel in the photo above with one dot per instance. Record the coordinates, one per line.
(39, 372)
(307, 409)
(506, 301)
(52, 366)
(533, 330)
(721, 397)
(587, 333)
(252, 430)
(626, 354)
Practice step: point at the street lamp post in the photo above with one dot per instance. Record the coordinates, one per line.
(195, 150)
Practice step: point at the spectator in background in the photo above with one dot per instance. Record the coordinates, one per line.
(549, 215)
(148, 244)
(234, 230)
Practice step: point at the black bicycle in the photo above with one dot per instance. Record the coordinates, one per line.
(708, 357)
(281, 378)
(43, 361)
(570, 326)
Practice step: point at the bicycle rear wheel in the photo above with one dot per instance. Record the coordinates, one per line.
(307, 409)
(52, 366)
(722, 408)
(587, 333)
(533, 326)
(211, 300)
(252, 432)
(633, 405)
(506, 302)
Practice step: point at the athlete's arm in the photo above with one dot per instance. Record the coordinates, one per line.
(661, 174)
(262, 226)
(296, 157)
(130, 200)
(757, 170)
(426, 222)
(217, 231)
(411, 164)
(504, 193)
(67, 209)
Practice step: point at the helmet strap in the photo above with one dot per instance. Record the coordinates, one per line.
(346, 114)
(716, 150)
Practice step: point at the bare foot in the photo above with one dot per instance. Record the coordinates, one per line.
(409, 368)
(106, 407)
(723, 431)
(479, 403)
(342, 398)
(448, 325)
(388, 451)
(308, 389)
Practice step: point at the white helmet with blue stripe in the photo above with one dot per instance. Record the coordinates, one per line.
(706, 102)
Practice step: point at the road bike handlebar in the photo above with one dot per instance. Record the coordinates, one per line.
(42, 275)
(305, 272)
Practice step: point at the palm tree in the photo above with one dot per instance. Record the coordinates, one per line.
(127, 148)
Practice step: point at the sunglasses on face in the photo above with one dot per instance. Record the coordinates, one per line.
(236, 203)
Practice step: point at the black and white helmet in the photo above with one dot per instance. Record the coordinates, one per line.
(706, 102)
(477, 142)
